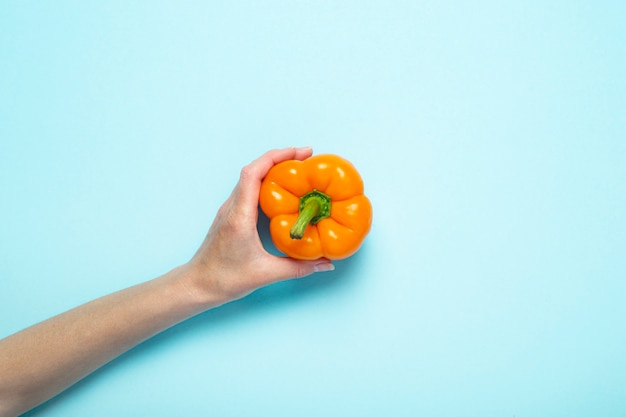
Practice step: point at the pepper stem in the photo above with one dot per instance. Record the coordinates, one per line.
(314, 206)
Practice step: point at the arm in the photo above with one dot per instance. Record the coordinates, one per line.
(43, 360)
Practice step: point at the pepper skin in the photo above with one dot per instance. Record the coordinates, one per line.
(316, 207)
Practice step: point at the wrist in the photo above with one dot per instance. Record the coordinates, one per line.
(195, 285)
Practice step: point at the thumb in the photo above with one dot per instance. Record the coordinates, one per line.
(286, 268)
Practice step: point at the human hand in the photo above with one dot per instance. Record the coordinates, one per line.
(231, 261)
(42, 360)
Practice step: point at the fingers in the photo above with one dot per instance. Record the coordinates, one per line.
(253, 174)
(287, 268)
(303, 153)
(260, 167)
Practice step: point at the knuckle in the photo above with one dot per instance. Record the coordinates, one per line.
(301, 272)
(247, 173)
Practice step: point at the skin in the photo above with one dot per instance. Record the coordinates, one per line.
(41, 361)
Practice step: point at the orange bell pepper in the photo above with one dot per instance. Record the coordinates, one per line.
(316, 207)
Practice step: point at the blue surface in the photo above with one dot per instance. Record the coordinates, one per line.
(492, 140)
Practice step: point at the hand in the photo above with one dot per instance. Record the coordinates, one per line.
(232, 262)
(46, 358)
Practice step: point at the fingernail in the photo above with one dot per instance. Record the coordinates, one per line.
(305, 148)
(323, 267)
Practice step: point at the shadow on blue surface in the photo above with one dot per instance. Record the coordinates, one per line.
(275, 296)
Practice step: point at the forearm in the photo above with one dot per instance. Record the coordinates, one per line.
(41, 361)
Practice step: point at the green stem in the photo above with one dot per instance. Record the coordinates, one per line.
(314, 207)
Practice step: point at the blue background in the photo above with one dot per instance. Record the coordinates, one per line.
(491, 137)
